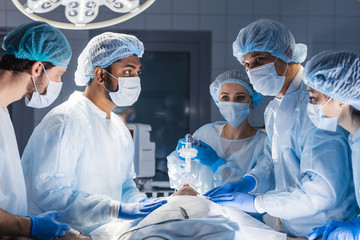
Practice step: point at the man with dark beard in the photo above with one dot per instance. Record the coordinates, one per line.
(79, 158)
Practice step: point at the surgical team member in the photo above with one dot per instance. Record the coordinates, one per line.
(36, 56)
(305, 177)
(234, 146)
(79, 158)
(333, 79)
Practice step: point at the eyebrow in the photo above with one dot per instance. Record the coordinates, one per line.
(256, 54)
(130, 66)
(235, 93)
(310, 90)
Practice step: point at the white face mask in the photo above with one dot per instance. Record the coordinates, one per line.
(128, 93)
(233, 112)
(317, 116)
(265, 79)
(40, 101)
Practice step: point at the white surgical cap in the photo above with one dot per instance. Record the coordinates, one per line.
(238, 76)
(102, 51)
(335, 74)
(266, 35)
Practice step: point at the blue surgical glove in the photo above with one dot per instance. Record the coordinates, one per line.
(244, 185)
(44, 227)
(206, 155)
(138, 210)
(151, 200)
(239, 200)
(337, 230)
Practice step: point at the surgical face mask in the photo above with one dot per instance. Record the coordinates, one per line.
(265, 79)
(128, 93)
(233, 112)
(317, 116)
(44, 100)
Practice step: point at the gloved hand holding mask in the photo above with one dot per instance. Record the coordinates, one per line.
(205, 154)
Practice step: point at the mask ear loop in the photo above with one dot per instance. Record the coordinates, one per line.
(46, 74)
(113, 77)
(32, 77)
(337, 114)
(287, 65)
(326, 102)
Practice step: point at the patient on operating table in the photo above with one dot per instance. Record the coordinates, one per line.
(189, 216)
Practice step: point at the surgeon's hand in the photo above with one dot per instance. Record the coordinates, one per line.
(151, 200)
(44, 226)
(205, 156)
(244, 185)
(337, 230)
(138, 210)
(242, 201)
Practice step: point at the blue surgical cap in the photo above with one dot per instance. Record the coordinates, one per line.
(38, 41)
(266, 35)
(102, 51)
(238, 76)
(335, 74)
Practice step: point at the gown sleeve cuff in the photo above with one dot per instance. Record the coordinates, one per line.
(114, 208)
(258, 204)
(256, 182)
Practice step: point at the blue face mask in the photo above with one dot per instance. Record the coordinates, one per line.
(317, 116)
(233, 112)
(265, 79)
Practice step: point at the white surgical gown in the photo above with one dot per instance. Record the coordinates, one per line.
(308, 168)
(240, 156)
(12, 185)
(77, 161)
(355, 147)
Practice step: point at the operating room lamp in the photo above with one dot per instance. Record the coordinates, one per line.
(81, 12)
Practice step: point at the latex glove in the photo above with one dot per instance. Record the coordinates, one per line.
(239, 200)
(151, 200)
(205, 156)
(45, 227)
(138, 210)
(244, 185)
(337, 230)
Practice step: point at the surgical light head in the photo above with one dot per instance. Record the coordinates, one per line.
(38, 41)
(235, 76)
(102, 51)
(335, 74)
(266, 35)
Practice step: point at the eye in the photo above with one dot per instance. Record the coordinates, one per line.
(224, 98)
(239, 98)
(127, 72)
(259, 59)
(312, 99)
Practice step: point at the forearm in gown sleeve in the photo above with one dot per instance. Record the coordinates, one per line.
(264, 170)
(325, 174)
(130, 193)
(54, 186)
(227, 172)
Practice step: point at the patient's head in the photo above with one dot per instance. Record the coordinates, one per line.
(186, 190)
